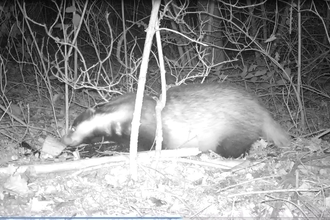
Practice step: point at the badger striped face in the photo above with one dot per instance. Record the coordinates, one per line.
(75, 137)
(97, 123)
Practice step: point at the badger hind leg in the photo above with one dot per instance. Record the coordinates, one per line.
(239, 141)
(236, 144)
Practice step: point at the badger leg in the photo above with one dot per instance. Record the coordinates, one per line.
(235, 146)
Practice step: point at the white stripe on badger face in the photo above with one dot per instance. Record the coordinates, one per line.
(102, 123)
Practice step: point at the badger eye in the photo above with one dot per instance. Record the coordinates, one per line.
(73, 129)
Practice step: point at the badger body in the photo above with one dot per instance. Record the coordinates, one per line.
(213, 116)
(219, 117)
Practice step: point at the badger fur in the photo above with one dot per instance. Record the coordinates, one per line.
(214, 116)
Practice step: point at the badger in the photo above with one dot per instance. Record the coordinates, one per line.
(220, 117)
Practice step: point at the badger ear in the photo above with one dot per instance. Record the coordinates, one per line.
(118, 129)
(86, 115)
(90, 111)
